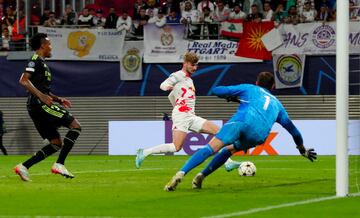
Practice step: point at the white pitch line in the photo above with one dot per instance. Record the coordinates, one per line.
(40, 216)
(261, 209)
(92, 171)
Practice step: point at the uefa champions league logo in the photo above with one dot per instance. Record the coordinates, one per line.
(289, 69)
(323, 36)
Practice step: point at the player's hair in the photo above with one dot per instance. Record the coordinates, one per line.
(191, 57)
(266, 80)
(37, 40)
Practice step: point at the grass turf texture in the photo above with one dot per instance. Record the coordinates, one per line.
(111, 186)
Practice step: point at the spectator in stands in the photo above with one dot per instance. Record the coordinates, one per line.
(221, 12)
(99, 20)
(139, 4)
(111, 19)
(255, 15)
(208, 29)
(17, 42)
(324, 14)
(5, 39)
(45, 16)
(159, 20)
(124, 23)
(268, 12)
(247, 5)
(10, 17)
(173, 17)
(308, 14)
(85, 18)
(237, 13)
(331, 4)
(353, 11)
(290, 3)
(182, 4)
(279, 14)
(189, 17)
(140, 22)
(300, 5)
(205, 3)
(152, 9)
(70, 17)
(52, 21)
(231, 3)
(169, 6)
(2, 131)
(292, 17)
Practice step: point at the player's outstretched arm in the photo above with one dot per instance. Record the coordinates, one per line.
(284, 120)
(308, 153)
(230, 93)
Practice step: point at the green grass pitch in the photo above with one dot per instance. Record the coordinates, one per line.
(110, 186)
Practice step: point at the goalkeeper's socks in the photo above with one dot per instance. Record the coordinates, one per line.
(69, 142)
(197, 158)
(219, 159)
(41, 154)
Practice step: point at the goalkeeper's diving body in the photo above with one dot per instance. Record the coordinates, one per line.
(247, 128)
(182, 97)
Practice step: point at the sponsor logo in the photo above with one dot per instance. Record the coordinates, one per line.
(289, 68)
(323, 36)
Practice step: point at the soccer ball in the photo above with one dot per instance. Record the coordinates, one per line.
(247, 168)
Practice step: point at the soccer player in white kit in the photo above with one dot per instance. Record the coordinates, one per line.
(182, 97)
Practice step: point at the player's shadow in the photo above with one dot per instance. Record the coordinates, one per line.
(257, 186)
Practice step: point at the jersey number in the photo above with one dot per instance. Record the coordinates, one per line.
(267, 102)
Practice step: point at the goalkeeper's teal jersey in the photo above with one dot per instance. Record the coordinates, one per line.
(258, 111)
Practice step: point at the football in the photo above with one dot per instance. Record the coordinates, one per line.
(247, 168)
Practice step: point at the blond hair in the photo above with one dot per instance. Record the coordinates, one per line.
(191, 57)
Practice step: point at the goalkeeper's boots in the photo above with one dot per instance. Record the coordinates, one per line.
(175, 180)
(23, 172)
(197, 181)
(140, 157)
(231, 165)
(58, 168)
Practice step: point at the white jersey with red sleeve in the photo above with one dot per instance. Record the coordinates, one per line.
(182, 96)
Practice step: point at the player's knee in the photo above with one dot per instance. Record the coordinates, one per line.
(56, 144)
(75, 125)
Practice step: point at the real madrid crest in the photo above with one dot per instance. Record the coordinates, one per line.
(166, 37)
(131, 61)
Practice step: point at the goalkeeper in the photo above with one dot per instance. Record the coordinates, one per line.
(247, 128)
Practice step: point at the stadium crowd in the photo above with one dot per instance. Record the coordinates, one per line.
(202, 17)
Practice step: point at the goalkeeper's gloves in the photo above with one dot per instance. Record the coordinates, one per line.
(232, 98)
(308, 153)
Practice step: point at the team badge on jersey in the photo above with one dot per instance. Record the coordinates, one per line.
(31, 64)
(131, 61)
(167, 37)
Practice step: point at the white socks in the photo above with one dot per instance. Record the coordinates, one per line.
(160, 149)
